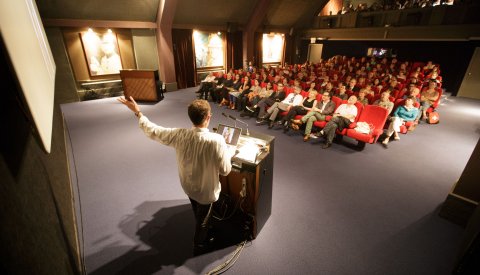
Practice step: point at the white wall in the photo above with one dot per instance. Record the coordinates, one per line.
(32, 60)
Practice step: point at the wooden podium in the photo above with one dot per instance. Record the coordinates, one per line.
(142, 85)
(256, 206)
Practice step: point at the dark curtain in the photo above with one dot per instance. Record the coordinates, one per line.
(184, 58)
(289, 49)
(234, 50)
(257, 50)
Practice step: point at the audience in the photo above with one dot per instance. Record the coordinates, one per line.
(370, 80)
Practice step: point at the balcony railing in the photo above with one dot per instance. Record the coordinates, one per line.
(439, 15)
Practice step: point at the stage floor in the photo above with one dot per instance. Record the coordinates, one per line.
(334, 211)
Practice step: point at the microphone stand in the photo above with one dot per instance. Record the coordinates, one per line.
(243, 122)
(236, 119)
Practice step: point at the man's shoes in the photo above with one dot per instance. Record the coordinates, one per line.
(306, 138)
(270, 124)
(297, 122)
(261, 120)
(385, 142)
(313, 136)
(326, 145)
(205, 247)
(250, 109)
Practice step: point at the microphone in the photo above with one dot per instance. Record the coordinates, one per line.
(243, 122)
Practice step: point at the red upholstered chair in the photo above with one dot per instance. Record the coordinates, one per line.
(305, 86)
(288, 90)
(374, 98)
(376, 117)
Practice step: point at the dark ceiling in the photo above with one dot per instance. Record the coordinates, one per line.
(281, 14)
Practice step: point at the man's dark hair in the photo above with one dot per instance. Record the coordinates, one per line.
(198, 111)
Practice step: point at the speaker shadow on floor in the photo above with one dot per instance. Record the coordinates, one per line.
(164, 242)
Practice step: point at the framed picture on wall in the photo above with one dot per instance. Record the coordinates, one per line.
(273, 47)
(101, 52)
(209, 49)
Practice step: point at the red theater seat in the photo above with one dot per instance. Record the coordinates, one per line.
(376, 117)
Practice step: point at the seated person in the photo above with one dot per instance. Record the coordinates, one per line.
(368, 90)
(264, 92)
(361, 97)
(293, 99)
(384, 102)
(233, 91)
(328, 88)
(407, 112)
(343, 116)
(352, 86)
(244, 90)
(216, 90)
(206, 85)
(254, 92)
(302, 109)
(428, 96)
(312, 87)
(261, 106)
(320, 111)
(223, 95)
(341, 92)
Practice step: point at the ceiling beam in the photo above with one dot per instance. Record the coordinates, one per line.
(256, 18)
(47, 22)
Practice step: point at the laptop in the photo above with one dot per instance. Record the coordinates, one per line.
(231, 135)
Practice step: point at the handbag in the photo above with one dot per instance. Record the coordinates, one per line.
(364, 127)
(433, 118)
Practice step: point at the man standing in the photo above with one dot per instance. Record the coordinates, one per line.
(201, 157)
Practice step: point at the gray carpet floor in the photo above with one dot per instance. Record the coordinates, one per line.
(334, 211)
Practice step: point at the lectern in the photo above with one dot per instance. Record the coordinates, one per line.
(249, 184)
(142, 85)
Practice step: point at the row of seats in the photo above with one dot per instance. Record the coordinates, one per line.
(375, 116)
